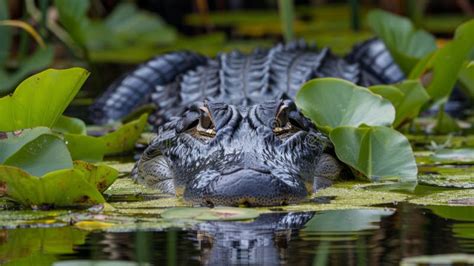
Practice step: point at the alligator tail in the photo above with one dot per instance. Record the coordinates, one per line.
(134, 88)
(376, 63)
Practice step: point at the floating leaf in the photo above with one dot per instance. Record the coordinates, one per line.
(454, 155)
(69, 187)
(71, 125)
(207, 214)
(37, 151)
(93, 225)
(124, 138)
(406, 44)
(377, 152)
(331, 102)
(346, 220)
(40, 99)
(93, 149)
(101, 176)
(86, 148)
(66, 187)
(444, 259)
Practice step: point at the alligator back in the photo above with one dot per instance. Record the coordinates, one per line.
(248, 79)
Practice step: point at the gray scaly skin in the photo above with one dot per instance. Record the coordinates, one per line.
(229, 133)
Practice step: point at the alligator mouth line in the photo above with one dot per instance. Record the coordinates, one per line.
(233, 171)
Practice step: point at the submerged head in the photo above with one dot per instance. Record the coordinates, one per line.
(219, 154)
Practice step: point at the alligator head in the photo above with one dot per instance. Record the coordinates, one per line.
(219, 154)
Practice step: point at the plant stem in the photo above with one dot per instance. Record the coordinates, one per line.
(286, 16)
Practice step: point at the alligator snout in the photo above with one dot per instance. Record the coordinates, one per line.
(250, 187)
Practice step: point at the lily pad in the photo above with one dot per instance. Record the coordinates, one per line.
(93, 149)
(454, 155)
(71, 125)
(102, 176)
(331, 102)
(124, 138)
(37, 151)
(406, 44)
(68, 187)
(40, 99)
(444, 259)
(444, 198)
(447, 175)
(377, 152)
(214, 214)
(86, 148)
(346, 220)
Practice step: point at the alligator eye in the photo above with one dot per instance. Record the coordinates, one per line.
(206, 126)
(282, 125)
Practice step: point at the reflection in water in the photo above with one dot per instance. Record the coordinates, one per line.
(263, 241)
(345, 237)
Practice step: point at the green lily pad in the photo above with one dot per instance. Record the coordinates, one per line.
(377, 152)
(85, 148)
(331, 102)
(124, 138)
(102, 176)
(444, 198)
(348, 195)
(71, 125)
(214, 214)
(444, 259)
(449, 176)
(346, 220)
(40, 99)
(449, 181)
(37, 151)
(424, 141)
(93, 149)
(68, 187)
(454, 155)
(406, 44)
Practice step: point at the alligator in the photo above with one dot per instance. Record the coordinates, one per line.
(228, 130)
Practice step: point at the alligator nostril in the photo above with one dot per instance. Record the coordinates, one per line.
(209, 204)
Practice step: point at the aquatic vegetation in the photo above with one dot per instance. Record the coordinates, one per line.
(208, 214)
(37, 60)
(406, 44)
(126, 30)
(377, 152)
(331, 103)
(77, 186)
(408, 97)
(39, 144)
(358, 121)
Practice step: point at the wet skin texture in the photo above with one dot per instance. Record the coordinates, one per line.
(229, 133)
(219, 154)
